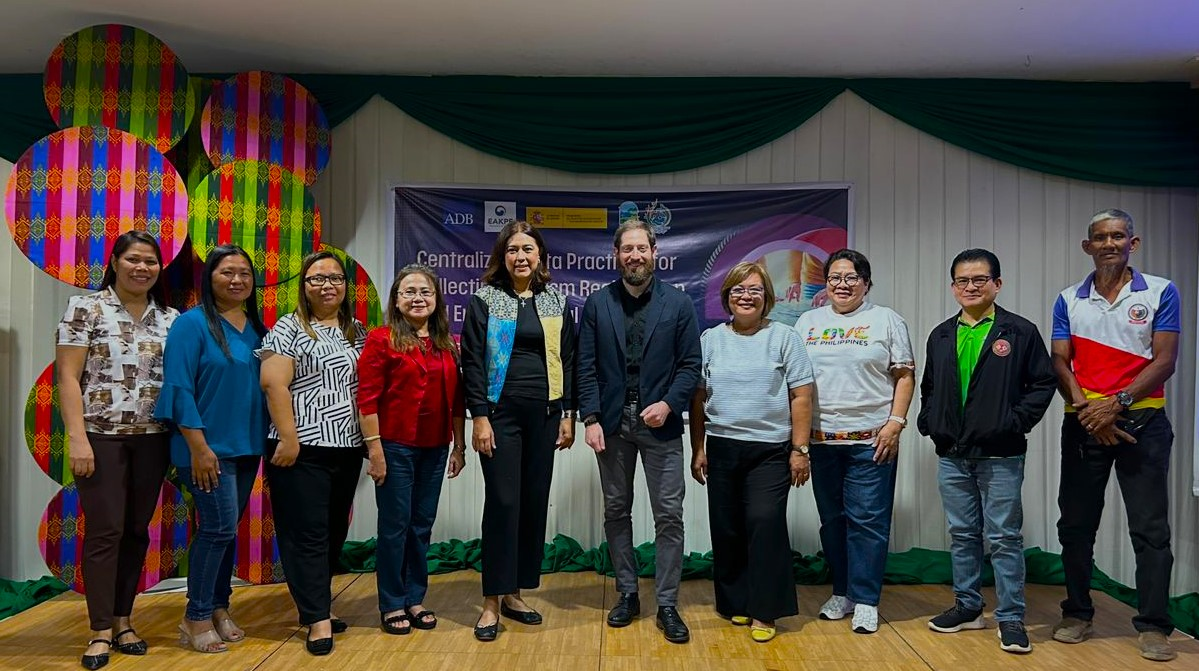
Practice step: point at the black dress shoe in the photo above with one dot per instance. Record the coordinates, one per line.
(671, 624)
(134, 648)
(627, 607)
(487, 633)
(521, 616)
(94, 662)
(320, 646)
(338, 625)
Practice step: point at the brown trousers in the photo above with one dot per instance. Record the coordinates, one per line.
(118, 500)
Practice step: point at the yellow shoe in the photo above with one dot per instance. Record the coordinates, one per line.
(762, 634)
(740, 620)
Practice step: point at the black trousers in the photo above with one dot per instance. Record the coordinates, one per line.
(118, 500)
(517, 493)
(1142, 470)
(748, 485)
(311, 501)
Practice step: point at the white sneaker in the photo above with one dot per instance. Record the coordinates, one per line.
(836, 608)
(865, 619)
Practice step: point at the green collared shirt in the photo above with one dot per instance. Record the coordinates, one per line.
(970, 347)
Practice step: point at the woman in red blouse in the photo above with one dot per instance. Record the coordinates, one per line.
(411, 405)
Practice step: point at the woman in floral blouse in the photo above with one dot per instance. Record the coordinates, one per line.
(109, 365)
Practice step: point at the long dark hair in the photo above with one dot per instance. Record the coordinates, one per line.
(496, 273)
(345, 320)
(403, 336)
(122, 245)
(208, 300)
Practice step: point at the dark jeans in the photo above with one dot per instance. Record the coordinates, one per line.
(407, 502)
(210, 558)
(517, 493)
(311, 501)
(118, 500)
(748, 484)
(1142, 469)
(854, 497)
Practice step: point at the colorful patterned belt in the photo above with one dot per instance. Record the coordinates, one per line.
(856, 436)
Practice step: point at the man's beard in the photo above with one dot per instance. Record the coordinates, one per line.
(637, 276)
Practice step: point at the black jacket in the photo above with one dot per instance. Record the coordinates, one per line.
(1010, 390)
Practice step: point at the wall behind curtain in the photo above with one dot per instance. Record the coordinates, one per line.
(917, 202)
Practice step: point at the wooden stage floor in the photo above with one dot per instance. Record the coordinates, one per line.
(574, 637)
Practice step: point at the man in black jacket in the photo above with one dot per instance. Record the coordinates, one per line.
(988, 380)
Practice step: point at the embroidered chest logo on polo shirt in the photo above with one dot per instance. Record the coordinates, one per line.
(1001, 347)
(1138, 313)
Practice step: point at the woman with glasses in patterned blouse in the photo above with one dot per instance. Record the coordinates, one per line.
(315, 452)
(109, 366)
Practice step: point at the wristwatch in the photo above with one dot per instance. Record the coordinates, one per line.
(591, 419)
(901, 421)
(802, 449)
(1124, 398)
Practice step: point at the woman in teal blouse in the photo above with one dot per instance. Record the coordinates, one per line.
(211, 396)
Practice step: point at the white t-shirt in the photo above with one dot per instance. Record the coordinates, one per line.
(747, 381)
(852, 356)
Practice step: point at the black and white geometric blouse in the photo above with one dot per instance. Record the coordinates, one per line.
(325, 384)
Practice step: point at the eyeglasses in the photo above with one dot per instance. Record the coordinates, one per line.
(410, 294)
(319, 280)
(753, 292)
(847, 280)
(978, 282)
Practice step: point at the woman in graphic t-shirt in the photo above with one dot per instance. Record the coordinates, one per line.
(865, 376)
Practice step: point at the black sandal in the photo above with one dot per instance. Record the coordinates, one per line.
(93, 662)
(418, 619)
(138, 647)
(392, 624)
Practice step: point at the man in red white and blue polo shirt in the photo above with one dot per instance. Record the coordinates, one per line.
(1115, 342)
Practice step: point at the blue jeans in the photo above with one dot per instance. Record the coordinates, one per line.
(982, 498)
(210, 559)
(407, 502)
(854, 497)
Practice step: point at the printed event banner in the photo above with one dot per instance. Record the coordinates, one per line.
(701, 234)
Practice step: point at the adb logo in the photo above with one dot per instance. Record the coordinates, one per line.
(497, 214)
(458, 218)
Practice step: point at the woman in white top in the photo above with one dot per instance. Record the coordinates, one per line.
(865, 376)
(315, 452)
(752, 410)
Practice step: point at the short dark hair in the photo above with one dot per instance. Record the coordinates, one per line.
(976, 254)
(861, 265)
(741, 272)
(496, 273)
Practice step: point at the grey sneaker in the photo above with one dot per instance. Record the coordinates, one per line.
(956, 619)
(1072, 630)
(1155, 646)
(836, 608)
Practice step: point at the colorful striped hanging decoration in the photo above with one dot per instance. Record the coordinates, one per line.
(75, 191)
(256, 559)
(261, 207)
(278, 300)
(45, 433)
(60, 538)
(263, 116)
(123, 78)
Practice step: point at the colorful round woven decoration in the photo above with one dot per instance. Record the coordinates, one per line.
(256, 559)
(278, 300)
(181, 279)
(123, 78)
(264, 209)
(45, 433)
(364, 297)
(75, 191)
(263, 116)
(60, 537)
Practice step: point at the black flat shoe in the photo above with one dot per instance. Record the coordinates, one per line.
(321, 646)
(521, 616)
(487, 633)
(94, 662)
(134, 648)
(392, 625)
(338, 625)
